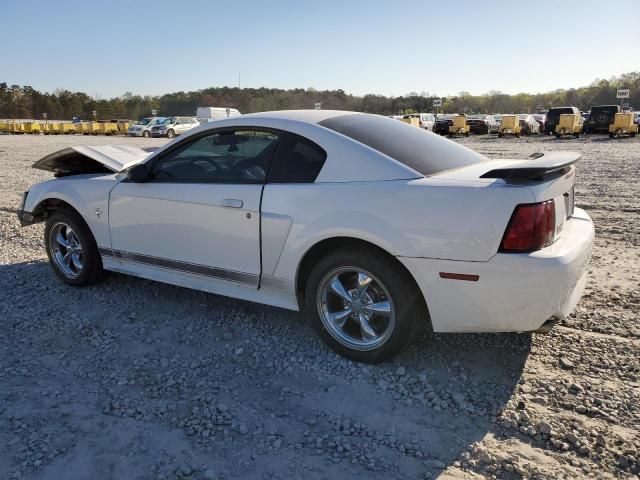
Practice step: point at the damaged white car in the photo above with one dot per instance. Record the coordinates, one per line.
(370, 226)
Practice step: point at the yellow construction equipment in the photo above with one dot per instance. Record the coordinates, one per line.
(623, 125)
(32, 127)
(93, 128)
(108, 128)
(67, 127)
(82, 128)
(510, 126)
(4, 127)
(569, 124)
(123, 127)
(459, 126)
(411, 120)
(50, 128)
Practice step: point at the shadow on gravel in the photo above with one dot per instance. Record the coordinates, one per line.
(165, 358)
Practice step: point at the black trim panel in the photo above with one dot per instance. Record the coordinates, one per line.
(186, 267)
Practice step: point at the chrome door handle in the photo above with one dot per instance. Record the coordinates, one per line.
(232, 203)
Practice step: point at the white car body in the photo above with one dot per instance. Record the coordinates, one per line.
(450, 222)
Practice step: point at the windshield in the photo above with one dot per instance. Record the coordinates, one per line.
(423, 151)
(144, 121)
(169, 121)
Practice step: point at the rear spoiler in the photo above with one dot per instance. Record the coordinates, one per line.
(540, 166)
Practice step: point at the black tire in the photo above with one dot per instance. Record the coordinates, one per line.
(557, 135)
(500, 135)
(171, 133)
(406, 298)
(146, 134)
(92, 270)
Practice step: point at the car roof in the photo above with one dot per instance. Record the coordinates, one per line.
(306, 116)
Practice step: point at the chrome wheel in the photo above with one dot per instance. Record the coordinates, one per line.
(66, 250)
(355, 308)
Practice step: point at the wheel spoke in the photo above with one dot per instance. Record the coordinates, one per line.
(71, 236)
(67, 259)
(337, 288)
(368, 333)
(77, 260)
(363, 283)
(62, 241)
(339, 318)
(379, 308)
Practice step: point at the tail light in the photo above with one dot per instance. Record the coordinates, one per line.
(532, 227)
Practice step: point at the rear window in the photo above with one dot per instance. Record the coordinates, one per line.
(423, 151)
(610, 109)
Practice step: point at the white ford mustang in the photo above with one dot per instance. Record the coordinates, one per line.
(371, 226)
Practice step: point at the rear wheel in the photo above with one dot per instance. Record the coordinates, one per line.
(363, 305)
(71, 248)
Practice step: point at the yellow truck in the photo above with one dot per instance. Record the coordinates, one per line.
(569, 124)
(510, 126)
(459, 126)
(623, 125)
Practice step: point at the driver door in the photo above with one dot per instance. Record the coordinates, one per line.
(199, 213)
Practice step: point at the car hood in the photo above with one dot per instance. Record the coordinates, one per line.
(98, 159)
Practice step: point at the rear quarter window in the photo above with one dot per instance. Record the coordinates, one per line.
(423, 151)
(297, 160)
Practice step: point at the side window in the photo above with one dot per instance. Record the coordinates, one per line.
(238, 156)
(298, 160)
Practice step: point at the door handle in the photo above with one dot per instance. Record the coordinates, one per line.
(232, 203)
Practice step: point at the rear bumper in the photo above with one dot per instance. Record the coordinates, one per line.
(513, 292)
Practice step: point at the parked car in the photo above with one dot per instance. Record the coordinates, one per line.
(143, 127)
(600, 118)
(443, 122)
(481, 124)
(174, 126)
(541, 118)
(412, 229)
(553, 118)
(528, 124)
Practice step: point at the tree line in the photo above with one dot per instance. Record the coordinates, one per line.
(25, 102)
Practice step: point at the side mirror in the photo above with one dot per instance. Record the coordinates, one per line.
(138, 174)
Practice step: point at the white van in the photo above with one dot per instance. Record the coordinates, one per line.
(209, 114)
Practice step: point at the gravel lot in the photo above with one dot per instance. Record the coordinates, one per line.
(135, 379)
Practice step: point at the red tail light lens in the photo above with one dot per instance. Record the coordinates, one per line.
(532, 227)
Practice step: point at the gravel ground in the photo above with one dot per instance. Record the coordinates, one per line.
(135, 379)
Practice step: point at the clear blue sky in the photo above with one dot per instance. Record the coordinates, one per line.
(109, 47)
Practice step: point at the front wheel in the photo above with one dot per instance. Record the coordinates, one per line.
(171, 133)
(146, 134)
(71, 248)
(363, 305)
